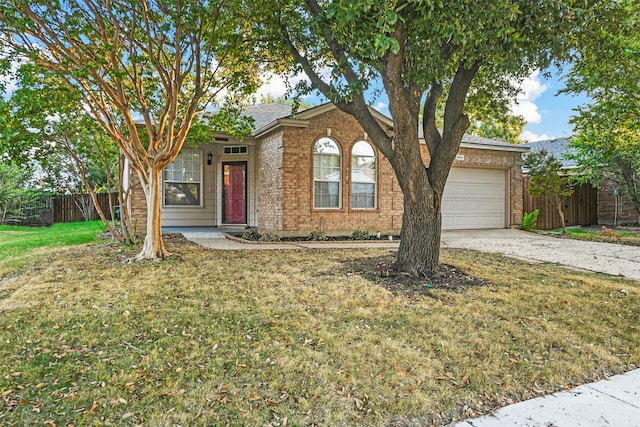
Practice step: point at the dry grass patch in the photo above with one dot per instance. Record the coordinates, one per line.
(297, 338)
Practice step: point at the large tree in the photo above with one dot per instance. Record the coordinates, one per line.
(144, 69)
(424, 52)
(606, 142)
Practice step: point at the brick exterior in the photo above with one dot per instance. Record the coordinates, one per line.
(270, 183)
(626, 211)
(286, 179)
(284, 184)
(138, 204)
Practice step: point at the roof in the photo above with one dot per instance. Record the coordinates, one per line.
(268, 116)
(264, 114)
(474, 141)
(559, 147)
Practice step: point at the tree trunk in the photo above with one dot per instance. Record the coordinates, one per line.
(153, 247)
(419, 251)
(559, 203)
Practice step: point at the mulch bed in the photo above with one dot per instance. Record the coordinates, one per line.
(379, 270)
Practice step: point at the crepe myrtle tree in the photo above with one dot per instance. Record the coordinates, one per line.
(547, 180)
(425, 53)
(158, 63)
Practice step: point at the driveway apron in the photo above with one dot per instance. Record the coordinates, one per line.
(608, 258)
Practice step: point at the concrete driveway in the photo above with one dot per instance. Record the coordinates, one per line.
(609, 258)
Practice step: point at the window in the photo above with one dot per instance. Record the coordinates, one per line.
(235, 149)
(182, 180)
(327, 174)
(363, 176)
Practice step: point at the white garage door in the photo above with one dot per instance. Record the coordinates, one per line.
(474, 198)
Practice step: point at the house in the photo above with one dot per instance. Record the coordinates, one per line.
(588, 205)
(318, 170)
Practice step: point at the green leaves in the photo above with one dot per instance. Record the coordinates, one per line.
(606, 143)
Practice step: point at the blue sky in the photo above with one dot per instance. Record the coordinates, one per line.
(546, 113)
(554, 111)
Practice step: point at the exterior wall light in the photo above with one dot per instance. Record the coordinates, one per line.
(209, 157)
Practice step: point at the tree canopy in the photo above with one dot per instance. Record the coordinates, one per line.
(426, 53)
(606, 142)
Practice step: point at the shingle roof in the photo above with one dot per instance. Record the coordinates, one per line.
(559, 147)
(263, 114)
(478, 140)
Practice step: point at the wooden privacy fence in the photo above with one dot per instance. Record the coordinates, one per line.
(581, 208)
(70, 208)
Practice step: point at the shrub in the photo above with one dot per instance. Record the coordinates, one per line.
(269, 237)
(317, 235)
(529, 221)
(251, 235)
(360, 235)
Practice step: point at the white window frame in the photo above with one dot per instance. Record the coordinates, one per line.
(375, 183)
(200, 183)
(339, 169)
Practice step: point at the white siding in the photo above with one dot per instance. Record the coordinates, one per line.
(209, 214)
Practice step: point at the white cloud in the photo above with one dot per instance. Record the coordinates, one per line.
(529, 136)
(382, 107)
(276, 85)
(524, 105)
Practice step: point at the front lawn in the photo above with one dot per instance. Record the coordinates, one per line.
(19, 245)
(296, 337)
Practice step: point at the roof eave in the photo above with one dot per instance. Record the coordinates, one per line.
(279, 123)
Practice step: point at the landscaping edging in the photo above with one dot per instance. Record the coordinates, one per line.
(297, 242)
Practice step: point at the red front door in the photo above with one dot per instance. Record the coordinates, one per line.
(234, 193)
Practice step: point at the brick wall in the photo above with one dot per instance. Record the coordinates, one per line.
(626, 211)
(298, 214)
(269, 186)
(138, 204)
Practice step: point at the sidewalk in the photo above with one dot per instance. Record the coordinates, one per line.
(613, 402)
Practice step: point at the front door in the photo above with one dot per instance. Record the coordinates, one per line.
(234, 193)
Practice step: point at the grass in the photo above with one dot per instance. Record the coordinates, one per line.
(607, 235)
(295, 338)
(20, 245)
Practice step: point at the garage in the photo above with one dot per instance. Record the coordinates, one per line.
(474, 198)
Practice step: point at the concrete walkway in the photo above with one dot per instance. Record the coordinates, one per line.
(612, 402)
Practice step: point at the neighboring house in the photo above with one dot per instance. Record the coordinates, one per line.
(318, 170)
(589, 205)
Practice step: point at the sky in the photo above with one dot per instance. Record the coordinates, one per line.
(546, 112)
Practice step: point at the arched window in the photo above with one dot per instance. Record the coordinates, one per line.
(327, 174)
(363, 176)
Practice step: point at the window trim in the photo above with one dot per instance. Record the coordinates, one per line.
(375, 184)
(201, 182)
(313, 175)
